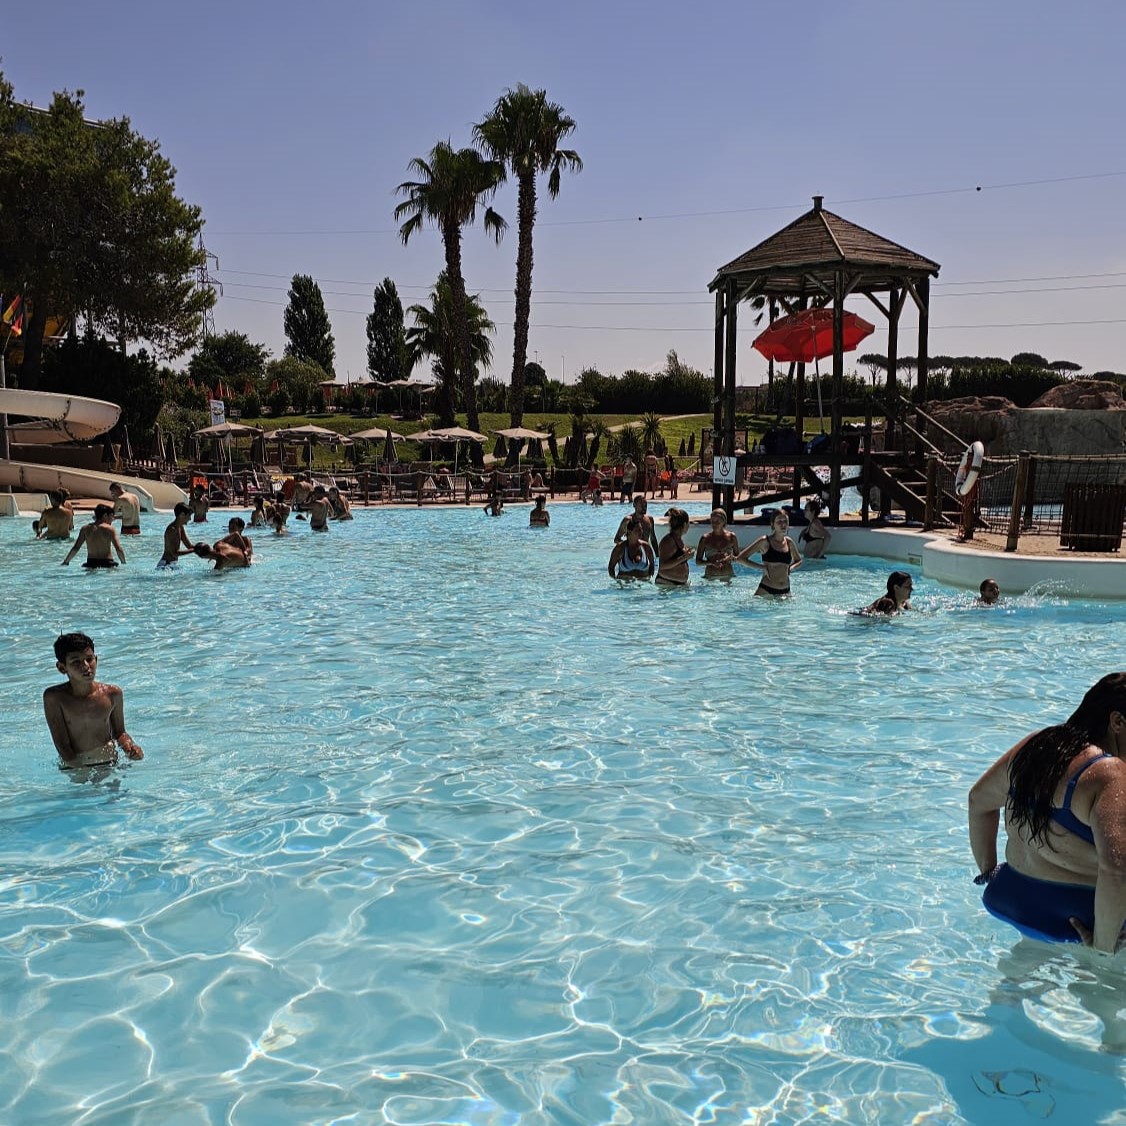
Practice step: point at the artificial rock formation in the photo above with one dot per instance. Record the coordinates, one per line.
(1081, 417)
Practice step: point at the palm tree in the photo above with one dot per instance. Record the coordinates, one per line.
(451, 185)
(523, 133)
(434, 334)
(651, 432)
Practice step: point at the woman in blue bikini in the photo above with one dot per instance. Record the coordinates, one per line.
(1064, 794)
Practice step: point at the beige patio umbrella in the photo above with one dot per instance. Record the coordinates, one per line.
(222, 433)
(455, 434)
(377, 434)
(522, 434)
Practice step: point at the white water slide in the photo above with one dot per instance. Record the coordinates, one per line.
(69, 418)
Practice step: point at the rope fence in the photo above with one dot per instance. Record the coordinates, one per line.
(1079, 500)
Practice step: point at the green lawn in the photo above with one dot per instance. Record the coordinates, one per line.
(672, 430)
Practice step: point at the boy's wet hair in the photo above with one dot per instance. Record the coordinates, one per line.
(181, 509)
(101, 511)
(67, 643)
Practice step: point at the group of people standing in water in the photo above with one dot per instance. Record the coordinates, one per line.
(638, 554)
(102, 540)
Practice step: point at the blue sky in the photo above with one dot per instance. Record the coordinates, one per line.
(291, 125)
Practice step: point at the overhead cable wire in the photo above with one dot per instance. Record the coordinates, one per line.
(965, 190)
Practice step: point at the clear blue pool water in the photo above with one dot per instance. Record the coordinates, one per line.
(437, 824)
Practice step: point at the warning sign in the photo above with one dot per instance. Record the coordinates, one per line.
(723, 471)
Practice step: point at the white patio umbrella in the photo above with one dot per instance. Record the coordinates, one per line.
(455, 434)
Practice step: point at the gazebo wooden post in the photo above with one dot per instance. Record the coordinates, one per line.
(836, 420)
(772, 313)
(728, 404)
(923, 289)
(895, 304)
(717, 380)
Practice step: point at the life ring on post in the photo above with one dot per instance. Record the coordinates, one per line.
(968, 470)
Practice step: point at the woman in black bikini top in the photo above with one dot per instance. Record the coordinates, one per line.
(779, 557)
(815, 536)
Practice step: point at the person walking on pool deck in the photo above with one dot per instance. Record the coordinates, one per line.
(85, 717)
(175, 537)
(779, 557)
(127, 509)
(200, 503)
(100, 538)
(1063, 790)
(629, 476)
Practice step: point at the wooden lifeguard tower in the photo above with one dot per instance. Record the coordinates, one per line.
(817, 261)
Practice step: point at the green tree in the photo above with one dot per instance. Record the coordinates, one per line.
(306, 323)
(90, 225)
(298, 379)
(651, 438)
(388, 354)
(90, 365)
(523, 133)
(452, 185)
(230, 356)
(435, 334)
(1029, 360)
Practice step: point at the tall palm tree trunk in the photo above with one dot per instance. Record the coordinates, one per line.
(526, 220)
(451, 235)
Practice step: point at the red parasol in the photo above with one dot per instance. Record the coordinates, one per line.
(808, 335)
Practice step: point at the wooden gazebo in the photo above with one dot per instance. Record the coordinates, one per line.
(817, 261)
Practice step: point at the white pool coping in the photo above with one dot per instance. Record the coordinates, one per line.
(963, 565)
(958, 564)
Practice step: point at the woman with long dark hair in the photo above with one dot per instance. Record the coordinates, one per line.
(1064, 794)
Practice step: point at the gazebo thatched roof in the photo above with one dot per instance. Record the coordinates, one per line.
(812, 248)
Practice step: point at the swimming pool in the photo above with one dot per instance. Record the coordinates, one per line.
(437, 824)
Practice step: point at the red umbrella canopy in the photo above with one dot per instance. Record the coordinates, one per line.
(807, 336)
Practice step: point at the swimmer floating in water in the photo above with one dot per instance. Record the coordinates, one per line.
(898, 595)
(1064, 795)
(86, 718)
(989, 593)
(226, 555)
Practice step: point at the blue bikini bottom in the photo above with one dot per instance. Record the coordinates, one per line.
(1039, 908)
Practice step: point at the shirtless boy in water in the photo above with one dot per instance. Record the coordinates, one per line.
(100, 539)
(127, 507)
(319, 510)
(175, 537)
(86, 718)
(225, 555)
(55, 522)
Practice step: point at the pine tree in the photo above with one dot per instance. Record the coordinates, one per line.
(307, 327)
(388, 354)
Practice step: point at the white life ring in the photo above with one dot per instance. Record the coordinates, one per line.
(968, 470)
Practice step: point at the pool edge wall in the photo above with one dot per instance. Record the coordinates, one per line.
(963, 565)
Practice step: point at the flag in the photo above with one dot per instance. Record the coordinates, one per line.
(13, 316)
